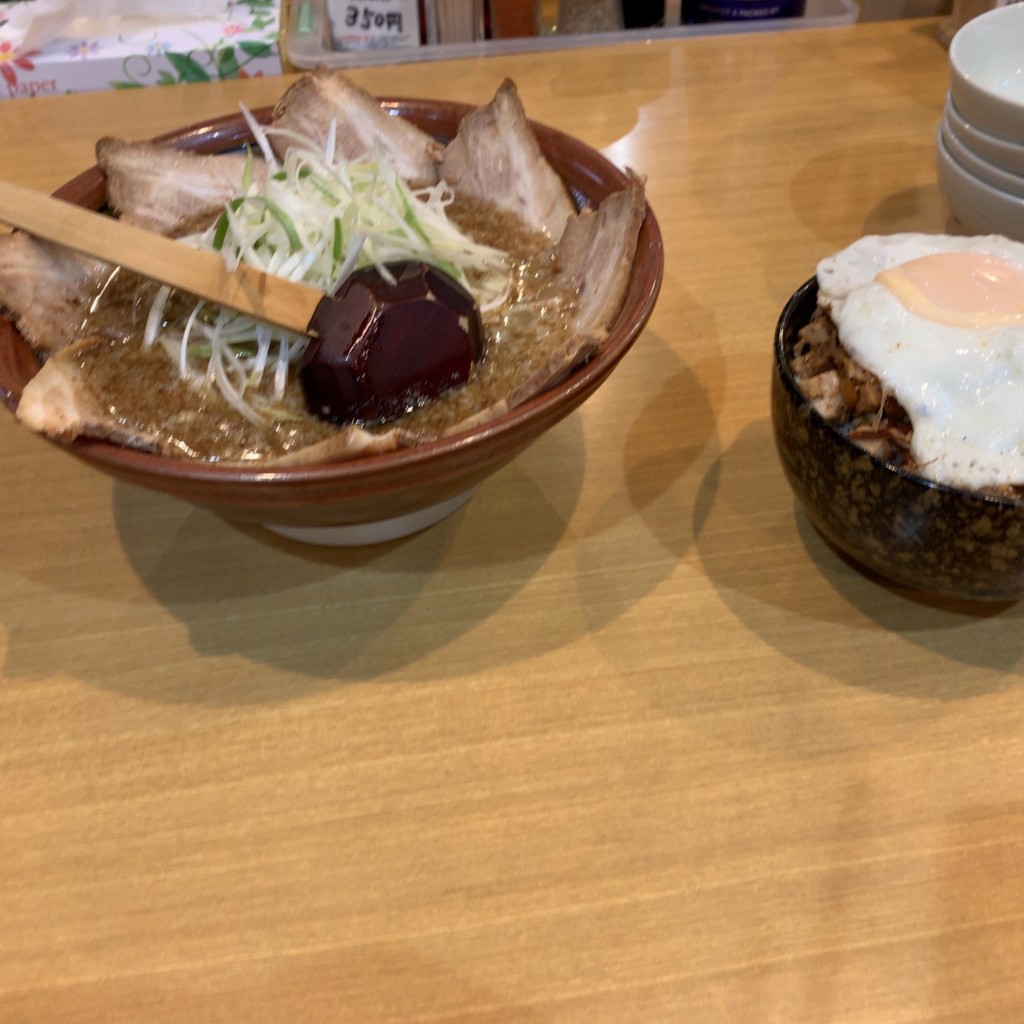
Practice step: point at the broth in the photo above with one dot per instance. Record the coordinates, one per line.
(142, 389)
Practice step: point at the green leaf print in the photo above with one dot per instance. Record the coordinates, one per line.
(188, 70)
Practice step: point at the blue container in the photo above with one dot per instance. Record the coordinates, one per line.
(696, 11)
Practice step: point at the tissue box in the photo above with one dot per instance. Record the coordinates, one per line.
(128, 52)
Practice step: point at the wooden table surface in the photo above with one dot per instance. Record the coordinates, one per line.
(621, 740)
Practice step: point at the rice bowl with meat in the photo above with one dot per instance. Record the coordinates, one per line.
(916, 353)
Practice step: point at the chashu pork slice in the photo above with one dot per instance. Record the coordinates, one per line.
(350, 442)
(171, 191)
(58, 403)
(324, 96)
(596, 252)
(47, 289)
(61, 403)
(495, 157)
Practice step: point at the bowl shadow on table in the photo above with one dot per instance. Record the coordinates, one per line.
(383, 612)
(667, 440)
(859, 177)
(673, 435)
(321, 618)
(790, 583)
(379, 608)
(868, 662)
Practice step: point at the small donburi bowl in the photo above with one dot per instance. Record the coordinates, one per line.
(922, 535)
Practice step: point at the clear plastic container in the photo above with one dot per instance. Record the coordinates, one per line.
(307, 40)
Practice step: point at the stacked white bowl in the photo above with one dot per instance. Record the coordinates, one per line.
(980, 145)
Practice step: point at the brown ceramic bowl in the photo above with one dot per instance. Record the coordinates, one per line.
(383, 496)
(927, 536)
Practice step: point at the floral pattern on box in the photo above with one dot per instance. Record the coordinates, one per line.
(239, 51)
(243, 43)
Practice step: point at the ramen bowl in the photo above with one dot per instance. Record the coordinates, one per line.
(377, 497)
(921, 535)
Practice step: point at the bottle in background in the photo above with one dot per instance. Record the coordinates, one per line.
(585, 16)
(512, 19)
(695, 11)
(643, 13)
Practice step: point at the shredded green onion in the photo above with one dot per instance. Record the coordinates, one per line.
(314, 219)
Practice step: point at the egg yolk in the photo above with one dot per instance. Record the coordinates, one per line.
(962, 289)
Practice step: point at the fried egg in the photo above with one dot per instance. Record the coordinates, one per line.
(939, 319)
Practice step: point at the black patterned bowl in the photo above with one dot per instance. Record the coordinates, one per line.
(922, 535)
